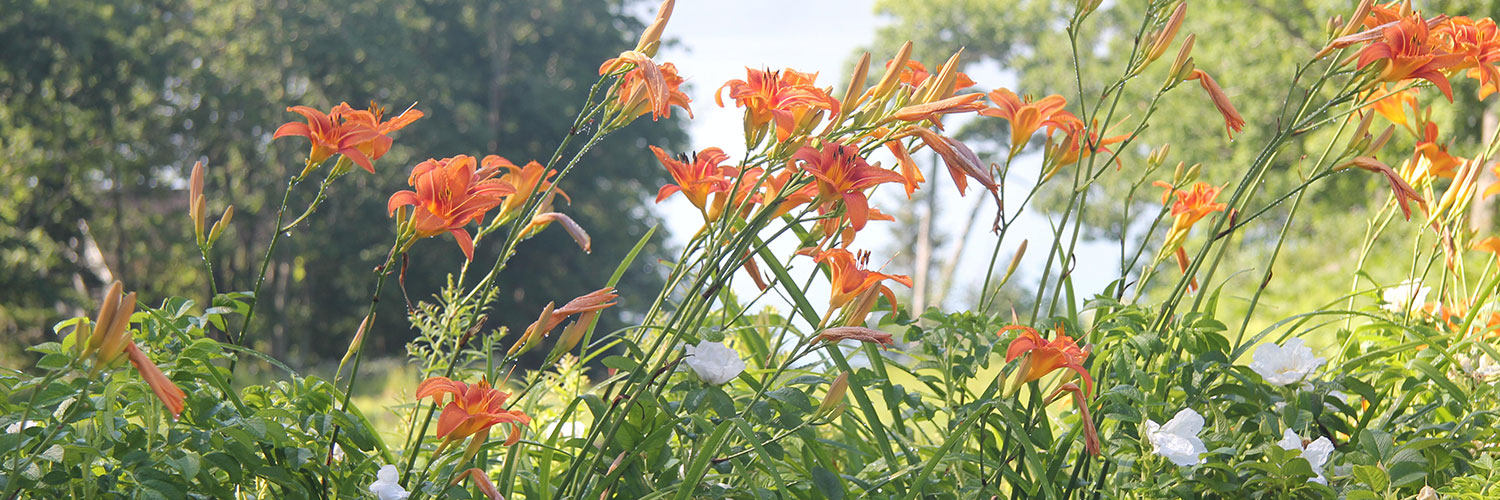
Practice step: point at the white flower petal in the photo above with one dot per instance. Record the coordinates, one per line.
(1178, 439)
(1290, 441)
(1284, 365)
(386, 485)
(715, 363)
(1317, 453)
(1185, 423)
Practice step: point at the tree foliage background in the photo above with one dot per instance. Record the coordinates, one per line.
(1252, 48)
(105, 106)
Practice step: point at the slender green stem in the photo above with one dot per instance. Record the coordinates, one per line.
(265, 263)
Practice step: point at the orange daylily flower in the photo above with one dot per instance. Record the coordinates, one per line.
(844, 175)
(161, 386)
(1478, 44)
(1233, 122)
(1027, 116)
(527, 181)
(647, 87)
(1044, 356)
(1408, 51)
(1072, 147)
(474, 409)
(1191, 206)
(849, 277)
(449, 194)
(1392, 105)
(794, 198)
(697, 177)
(377, 146)
(331, 134)
(1440, 163)
(787, 97)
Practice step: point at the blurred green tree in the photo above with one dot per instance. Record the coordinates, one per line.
(108, 105)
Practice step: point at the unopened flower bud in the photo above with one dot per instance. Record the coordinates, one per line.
(946, 81)
(1161, 39)
(1357, 20)
(1181, 66)
(223, 222)
(1192, 172)
(833, 400)
(1159, 155)
(1015, 261)
(359, 340)
(196, 203)
(1086, 7)
(1334, 26)
(892, 73)
(533, 333)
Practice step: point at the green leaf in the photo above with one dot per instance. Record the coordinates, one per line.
(54, 361)
(1372, 476)
(227, 464)
(827, 483)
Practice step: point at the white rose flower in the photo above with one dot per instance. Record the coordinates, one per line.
(1178, 439)
(715, 363)
(386, 486)
(1405, 297)
(1282, 365)
(1316, 453)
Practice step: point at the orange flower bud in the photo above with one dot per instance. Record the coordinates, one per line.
(1161, 39)
(651, 38)
(1182, 66)
(196, 204)
(892, 73)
